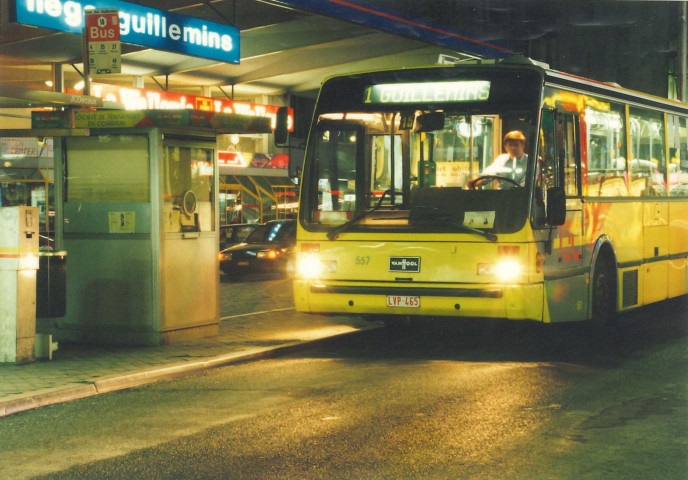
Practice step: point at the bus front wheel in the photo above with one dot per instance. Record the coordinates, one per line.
(604, 293)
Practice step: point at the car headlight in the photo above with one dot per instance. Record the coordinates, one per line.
(269, 254)
(225, 256)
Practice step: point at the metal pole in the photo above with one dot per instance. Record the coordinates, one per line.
(58, 77)
(683, 51)
(87, 67)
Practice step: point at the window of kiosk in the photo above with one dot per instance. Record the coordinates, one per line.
(107, 169)
(188, 189)
(107, 186)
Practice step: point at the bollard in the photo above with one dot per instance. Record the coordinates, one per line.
(51, 284)
(45, 346)
(18, 266)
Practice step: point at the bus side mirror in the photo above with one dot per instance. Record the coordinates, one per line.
(556, 206)
(282, 127)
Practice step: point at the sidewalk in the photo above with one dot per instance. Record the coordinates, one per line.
(79, 371)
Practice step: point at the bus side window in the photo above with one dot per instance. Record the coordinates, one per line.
(606, 147)
(568, 152)
(678, 156)
(647, 166)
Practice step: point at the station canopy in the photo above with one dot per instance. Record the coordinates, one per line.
(282, 50)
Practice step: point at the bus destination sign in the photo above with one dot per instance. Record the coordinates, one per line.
(442, 92)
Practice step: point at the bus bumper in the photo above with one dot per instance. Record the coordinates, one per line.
(513, 302)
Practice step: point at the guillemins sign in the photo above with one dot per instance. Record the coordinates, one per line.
(148, 27)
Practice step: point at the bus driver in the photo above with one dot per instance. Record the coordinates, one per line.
(511, 164)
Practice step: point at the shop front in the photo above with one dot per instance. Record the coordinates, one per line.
(254, 183)
(248, 196)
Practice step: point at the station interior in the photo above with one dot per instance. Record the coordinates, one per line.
(285, 50)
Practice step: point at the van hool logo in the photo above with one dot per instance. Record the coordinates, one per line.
(404, 264)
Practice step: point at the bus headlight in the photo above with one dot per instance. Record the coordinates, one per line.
(311, 266)
(507, 270)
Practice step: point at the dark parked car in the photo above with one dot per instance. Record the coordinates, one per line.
(235, 233)
(268, 249)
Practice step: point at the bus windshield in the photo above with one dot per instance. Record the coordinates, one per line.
(418, 170)
(402, 152)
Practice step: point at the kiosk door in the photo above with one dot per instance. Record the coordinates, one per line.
(189, 251)
(110, 238)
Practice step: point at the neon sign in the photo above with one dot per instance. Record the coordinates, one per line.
(440, 92)
(146, 99)
(139, 25)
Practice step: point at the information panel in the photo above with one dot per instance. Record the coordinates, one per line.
(139, 25)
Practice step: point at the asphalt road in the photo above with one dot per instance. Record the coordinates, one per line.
(433, 402)
(253, 294)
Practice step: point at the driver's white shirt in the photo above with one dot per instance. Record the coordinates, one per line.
(506, 166)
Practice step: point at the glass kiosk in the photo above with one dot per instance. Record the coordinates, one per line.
(140, 222)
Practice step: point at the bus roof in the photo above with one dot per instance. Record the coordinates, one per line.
(559, 79)
(568, 80)
(573, 82)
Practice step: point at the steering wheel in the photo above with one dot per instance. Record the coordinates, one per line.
(475, 183)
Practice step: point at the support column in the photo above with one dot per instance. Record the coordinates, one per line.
(58, 77)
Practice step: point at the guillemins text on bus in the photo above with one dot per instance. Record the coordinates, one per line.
(460, 91)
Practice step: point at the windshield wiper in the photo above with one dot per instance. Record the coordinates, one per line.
(334, 233)
(446, 220)
(344, 227)
(463, 228)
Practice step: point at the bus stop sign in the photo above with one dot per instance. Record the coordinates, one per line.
(103, 38)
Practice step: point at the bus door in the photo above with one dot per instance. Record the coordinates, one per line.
(559, 165)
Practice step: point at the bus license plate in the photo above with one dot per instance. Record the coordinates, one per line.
(406, 301)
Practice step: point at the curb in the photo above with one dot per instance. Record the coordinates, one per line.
(44, 399)
(137, 379)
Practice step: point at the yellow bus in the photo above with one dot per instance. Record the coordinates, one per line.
(409, 206)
